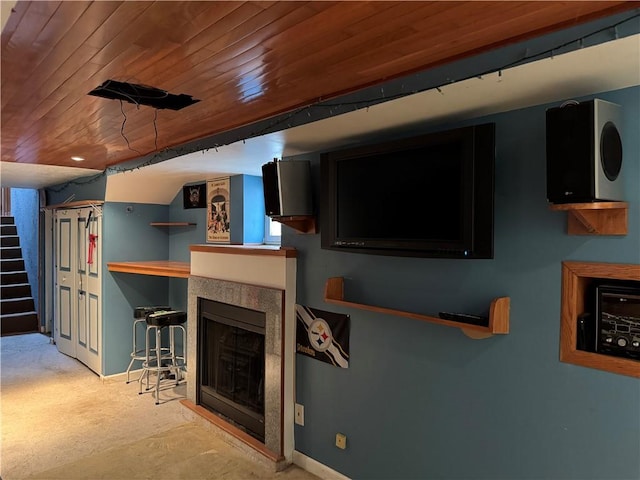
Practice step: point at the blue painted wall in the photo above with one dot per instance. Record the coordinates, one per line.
(24, 208)
(236, 209)
(254, 211)
(247, 209)
(127, 236)
(180, 238)
(246, 212)
(424, 401)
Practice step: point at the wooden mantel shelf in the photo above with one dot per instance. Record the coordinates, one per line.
(498, 312)
(595, 218)
(158, 268)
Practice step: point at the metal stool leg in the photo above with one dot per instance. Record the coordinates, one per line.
(146, 364)
(134, 351)
(158, 362)
(175, 358)
(179, 361)
(163, 360)
(140, 316)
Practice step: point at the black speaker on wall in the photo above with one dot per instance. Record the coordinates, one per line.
(584, 152)
(287, 188)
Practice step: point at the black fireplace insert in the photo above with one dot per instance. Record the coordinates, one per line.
(231, 364)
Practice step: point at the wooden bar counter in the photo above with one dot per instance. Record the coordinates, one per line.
(160, 268)
(169, 268)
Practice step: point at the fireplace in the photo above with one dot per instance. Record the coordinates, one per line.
(231, 359)
(242, 311)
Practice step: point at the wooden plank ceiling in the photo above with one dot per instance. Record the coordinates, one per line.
(244, 61)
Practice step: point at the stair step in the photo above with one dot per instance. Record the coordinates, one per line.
(11, 265)
(17, 290)
(16, 305)
(16, 323)
(8, 230)
(17, 308)
(11, 278)
(10, 252)
(10, 241)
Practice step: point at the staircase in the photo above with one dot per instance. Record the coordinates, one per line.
(17, 310)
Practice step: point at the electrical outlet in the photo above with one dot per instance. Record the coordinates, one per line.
(299, 414)
(341, 440)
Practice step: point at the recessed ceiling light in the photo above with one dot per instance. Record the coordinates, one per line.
(77, 159)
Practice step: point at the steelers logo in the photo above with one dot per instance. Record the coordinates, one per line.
(320, 336)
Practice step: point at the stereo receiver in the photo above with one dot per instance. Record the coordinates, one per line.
(618, 320)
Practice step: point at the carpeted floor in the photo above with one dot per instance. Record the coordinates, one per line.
(60, 421)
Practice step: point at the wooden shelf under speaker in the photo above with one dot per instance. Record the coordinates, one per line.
(595, 218)
(300, 223)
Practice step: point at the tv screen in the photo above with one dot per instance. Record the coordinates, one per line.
(425, 196)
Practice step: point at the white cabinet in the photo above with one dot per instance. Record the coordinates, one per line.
(78, 284)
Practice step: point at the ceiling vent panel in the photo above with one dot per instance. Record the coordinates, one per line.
(142, 95)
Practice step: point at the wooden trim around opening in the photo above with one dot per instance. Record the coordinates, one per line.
(576, 278)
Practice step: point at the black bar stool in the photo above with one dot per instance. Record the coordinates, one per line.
(139, 317)
(164, 360)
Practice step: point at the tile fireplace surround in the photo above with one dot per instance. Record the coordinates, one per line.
(262, 279)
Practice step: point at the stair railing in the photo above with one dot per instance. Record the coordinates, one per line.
(5, 202)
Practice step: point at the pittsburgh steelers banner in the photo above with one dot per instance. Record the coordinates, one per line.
(323, 335)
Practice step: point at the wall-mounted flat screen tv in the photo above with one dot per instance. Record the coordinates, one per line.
(425, 196)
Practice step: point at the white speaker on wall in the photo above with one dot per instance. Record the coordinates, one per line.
(584, 152)
(287, 188)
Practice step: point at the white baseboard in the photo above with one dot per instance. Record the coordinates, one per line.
(133, 376)
(122, 377)
(315, 467)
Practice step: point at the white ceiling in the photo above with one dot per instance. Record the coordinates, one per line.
(605, 67)
(32, 175)
(5, 10)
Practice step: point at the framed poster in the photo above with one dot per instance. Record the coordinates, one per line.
(218, 220)
(194, 196)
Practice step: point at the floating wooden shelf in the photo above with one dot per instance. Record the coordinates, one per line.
(171, 224)
(498, 312)
(596, 218)
(300, 223)
(576, 278)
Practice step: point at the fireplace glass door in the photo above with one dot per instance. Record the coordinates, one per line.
(232, 359)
